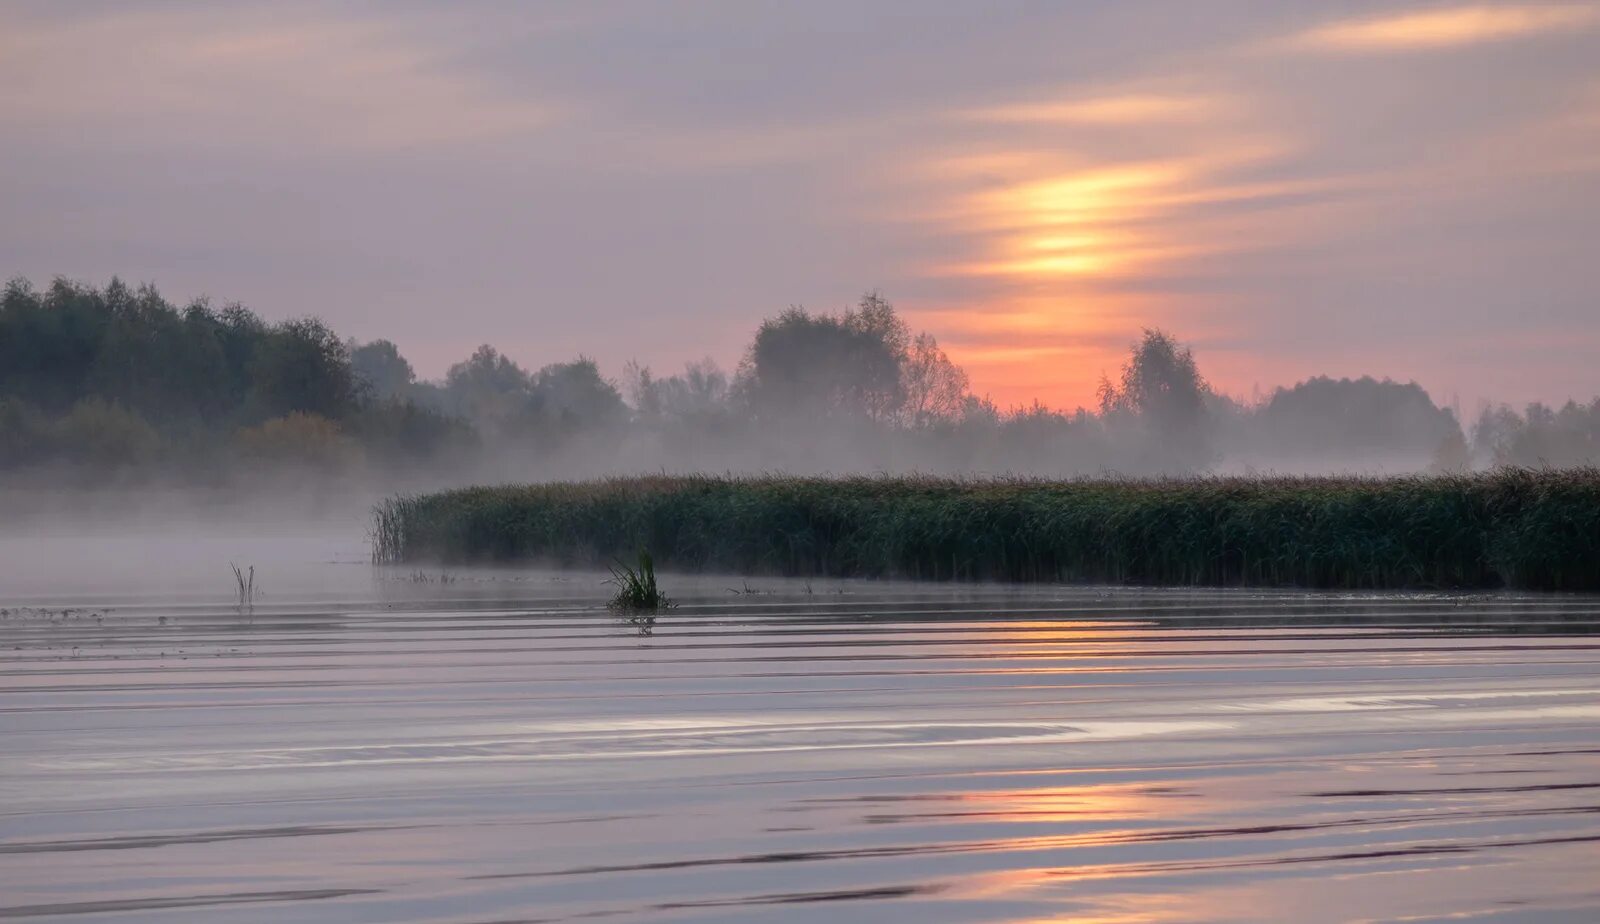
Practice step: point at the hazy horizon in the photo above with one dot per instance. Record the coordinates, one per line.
(1294, 189)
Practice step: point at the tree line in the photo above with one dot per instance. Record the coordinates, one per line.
(117, 381)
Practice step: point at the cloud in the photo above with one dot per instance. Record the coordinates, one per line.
(1032, 185)
(265, 79)
(1101, 220)
(1285, 219)
(1123, 109)
(1442, 28)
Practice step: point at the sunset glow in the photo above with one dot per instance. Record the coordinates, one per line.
(1445, 27)
(1305, 193)
(1132, 109)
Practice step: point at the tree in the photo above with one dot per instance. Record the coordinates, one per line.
(1451, 456)
(828, 365)
(302, 366)
(1161, 391)
(399, 434)
(574, 396)
(697, 394)
(1365, 418)
(49, 342)
(935, 388)
(1540, 436)
(380, 369)
(487, 387)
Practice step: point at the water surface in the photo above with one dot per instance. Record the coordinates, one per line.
(493, 746)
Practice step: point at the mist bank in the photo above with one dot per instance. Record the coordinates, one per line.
(1513, 528)
(115, 391)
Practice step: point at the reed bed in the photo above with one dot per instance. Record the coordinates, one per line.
(1521, 528)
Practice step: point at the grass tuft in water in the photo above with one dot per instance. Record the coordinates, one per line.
(637, 591)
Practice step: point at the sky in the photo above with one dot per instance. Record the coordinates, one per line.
(1293, 188)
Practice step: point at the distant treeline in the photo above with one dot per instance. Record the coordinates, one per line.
(1508, 528)
(117, 381)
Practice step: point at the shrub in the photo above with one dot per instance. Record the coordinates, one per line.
(299, 440)
(100, 435)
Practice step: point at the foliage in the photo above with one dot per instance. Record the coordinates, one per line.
(1162, 393)
(1511, 528)
(487, 388)
(301, 366)
(23, 433)
(1540, 436)
(380, 371)
(100, 435)
(397, 434)
(119, 377)
(299, 441)
(1322, 416)
(826, 365)
(935, 389)
(696, 396)
(566, 397)
(71, 343)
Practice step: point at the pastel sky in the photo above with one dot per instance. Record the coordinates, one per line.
(1294, 188)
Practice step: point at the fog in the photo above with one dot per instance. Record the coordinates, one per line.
(116, 404)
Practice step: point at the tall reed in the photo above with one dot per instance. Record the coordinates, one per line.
(1509, 528)
(247, 584)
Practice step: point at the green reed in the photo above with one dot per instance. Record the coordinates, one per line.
(1509, 528)
(636, 587)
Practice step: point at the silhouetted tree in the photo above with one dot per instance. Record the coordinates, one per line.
(828, 365)
(1380, 420)
(1540, 436)
(1451, 456)
(381, 370)
(572, 396)
(49, 342)
(696, 396)
(1161, 391)
(404, 434)
(119, 380)
(119, 373)
(487, 388)
(302, 366)
(935, 388)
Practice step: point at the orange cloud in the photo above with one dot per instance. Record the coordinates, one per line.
(1128, 109)
(1106, 220)
(1442, 28)
(1068, 256)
